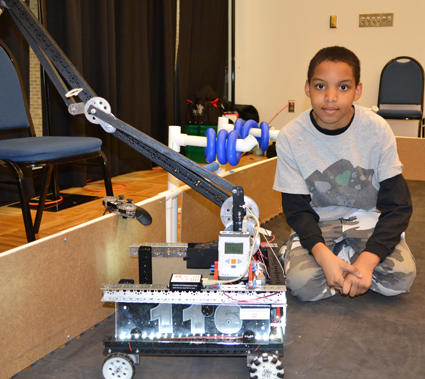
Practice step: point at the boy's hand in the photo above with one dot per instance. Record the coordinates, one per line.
(354, 286)
(334, 268)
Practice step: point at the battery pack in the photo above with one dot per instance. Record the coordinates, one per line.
(185, 282)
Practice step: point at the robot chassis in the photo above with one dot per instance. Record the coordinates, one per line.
(221, 320)
(232, 321)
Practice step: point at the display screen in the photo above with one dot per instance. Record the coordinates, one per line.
(233, 248)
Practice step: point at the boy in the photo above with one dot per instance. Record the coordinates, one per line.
(337, 167)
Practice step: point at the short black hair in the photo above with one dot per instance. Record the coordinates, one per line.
(335, 54)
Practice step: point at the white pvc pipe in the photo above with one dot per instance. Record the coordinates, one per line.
(223, 123)
(171, 218)
(172, 212)
(176, 139)
(256, 132)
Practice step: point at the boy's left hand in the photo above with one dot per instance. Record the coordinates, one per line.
(354, 286)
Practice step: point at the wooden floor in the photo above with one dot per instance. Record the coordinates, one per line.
(137, 186)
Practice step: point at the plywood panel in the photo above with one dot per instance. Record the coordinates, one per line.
(200, 218)
(164, 267)
(50, 289)
(412, 154)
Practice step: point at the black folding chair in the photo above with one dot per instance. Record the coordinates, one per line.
(32, 151)
(401, 90)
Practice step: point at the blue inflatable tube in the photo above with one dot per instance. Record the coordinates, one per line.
(233, 156)
(209, 151)
(238, 125)
(265, 135)
(246, 127)
(221, 146)
(212, 166)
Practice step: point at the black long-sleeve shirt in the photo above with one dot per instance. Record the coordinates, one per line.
(394, 203)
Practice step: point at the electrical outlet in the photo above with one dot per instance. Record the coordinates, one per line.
(291, 106)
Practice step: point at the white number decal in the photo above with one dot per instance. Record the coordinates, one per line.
(197, 319)
(163, 313)
(227, 319)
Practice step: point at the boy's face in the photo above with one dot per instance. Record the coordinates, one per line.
(332, 91)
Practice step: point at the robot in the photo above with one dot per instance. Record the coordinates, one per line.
(241, 312)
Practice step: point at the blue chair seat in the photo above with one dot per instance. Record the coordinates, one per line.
(401, 114)
(32, 149)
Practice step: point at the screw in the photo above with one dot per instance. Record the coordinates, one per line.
(68, 337)
(64, 240)
(93, 111)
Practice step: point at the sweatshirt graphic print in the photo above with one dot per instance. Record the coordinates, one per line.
(343, 185)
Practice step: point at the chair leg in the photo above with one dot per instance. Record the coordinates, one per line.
(106, 175)
(24, 199)
(55, 183)
(42, 200)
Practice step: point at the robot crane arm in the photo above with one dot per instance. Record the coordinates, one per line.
(69, 83)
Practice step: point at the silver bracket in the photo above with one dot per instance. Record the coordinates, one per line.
(149, 293)
(95, 105)
(271, 245)
(77, 108)
(135, 358)
(166, 250)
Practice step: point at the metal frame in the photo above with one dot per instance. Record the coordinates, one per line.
(112, 345)
(150, 293)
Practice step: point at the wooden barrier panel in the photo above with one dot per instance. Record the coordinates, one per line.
(412, 154)
(200, 218)
(50, 288)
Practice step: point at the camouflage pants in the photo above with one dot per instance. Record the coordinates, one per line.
(346, 238)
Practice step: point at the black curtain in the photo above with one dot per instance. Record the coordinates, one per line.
(125, 51)
(203, 47)
(12, 37)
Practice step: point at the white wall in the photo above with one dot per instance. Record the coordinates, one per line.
(275, 40)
